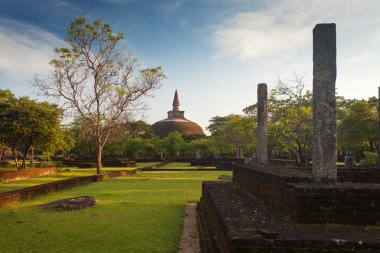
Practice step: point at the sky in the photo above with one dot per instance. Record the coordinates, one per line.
(214, 52)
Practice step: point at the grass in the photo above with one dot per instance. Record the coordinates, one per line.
(142, 213)
(143, 165)
(63, 173)
(182, 165)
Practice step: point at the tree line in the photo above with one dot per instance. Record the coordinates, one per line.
(290, 124)
(100, 85)
(28, 126)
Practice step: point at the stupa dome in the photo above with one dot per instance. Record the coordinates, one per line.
(176, 121)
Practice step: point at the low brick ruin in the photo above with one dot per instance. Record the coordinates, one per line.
(232, 220)
(276, 208)
(15, 196)
(13, 175)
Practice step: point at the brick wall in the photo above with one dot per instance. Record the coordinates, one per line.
(343, 203)
(30, 192)
(12, 175)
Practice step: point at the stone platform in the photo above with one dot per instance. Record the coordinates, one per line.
(232, 220)
(291, 192)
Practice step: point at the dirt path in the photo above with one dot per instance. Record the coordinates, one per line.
(190, 237)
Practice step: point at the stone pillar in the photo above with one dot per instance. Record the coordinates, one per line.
(324, 103)
(262, 116)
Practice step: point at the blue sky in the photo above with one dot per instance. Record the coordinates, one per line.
(214, 52)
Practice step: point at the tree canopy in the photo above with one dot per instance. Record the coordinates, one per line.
(26, 124)
(97, 80)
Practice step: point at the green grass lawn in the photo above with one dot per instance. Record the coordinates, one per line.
(181, 165)
(141, 213)
(143, 165)
(63, 173)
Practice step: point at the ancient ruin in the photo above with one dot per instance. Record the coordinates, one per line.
(176, 121)
(274, 208)
(262, 117)
(71, 204)
(324, 109)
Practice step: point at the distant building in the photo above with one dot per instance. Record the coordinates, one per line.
(176, 121)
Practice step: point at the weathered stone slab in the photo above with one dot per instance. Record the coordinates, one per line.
(324, 103)
(71, 204)
(262, 117)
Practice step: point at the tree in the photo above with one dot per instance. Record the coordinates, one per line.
(236, 130)
(358, 127)
(6, 96)
(172, 143)
(290, 119)
(26, 123)
(96, 79)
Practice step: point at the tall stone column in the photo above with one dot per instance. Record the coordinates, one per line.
(324, 103)
(262, 116)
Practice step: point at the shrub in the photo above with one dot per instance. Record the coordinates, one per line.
(369, 158)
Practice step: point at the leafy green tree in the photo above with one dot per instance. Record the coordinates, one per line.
(290, 120)
(6, 97)
(141, 148)
(236, 130)
(63, 142)
(26, 123)
(97, 80)
(358, 128)
(172, 143)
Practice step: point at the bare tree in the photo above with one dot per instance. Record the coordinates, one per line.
(97, 80)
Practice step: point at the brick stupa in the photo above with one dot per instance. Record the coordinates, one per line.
(176, 121)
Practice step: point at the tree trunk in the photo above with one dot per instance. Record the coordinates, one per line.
(99, 159)
(24, 159)
(14, 153)
(300, 154)
(26, 151)
(295, 156)
(32, 157)
(1, 153)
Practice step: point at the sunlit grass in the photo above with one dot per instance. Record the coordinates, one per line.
(143, 165)
(183, 165)
(63, 173)
(142, 213)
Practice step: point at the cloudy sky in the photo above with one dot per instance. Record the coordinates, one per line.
(214, 52)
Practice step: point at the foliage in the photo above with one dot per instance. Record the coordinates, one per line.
(27, 124)
(171, 144)
(97, 81)
(5, 98)
(290, 120)
(138, 147)
(359, 125)
(369, 158)
(237, 131)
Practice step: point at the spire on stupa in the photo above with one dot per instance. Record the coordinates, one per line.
(176, 121)
(176, 102)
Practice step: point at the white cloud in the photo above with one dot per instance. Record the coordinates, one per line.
(283, 28)
(25, 49)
